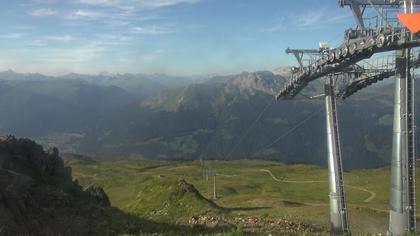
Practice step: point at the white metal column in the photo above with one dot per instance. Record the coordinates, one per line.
(338, 210)
(402, 196)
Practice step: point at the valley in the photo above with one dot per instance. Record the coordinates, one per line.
(209, 118)
(218, 117)
(251, 194)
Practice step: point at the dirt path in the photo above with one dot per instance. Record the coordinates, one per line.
(370, 198)
(372, 194)
(292, 181)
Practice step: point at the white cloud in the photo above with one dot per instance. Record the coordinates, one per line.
(63, 38)
(53, 60)
(160, 51)
(164, 3)
(318, 18)
(279, 26)
(46, 1)
(99, 2)
(46, 40)
(152, 30)
(308, 20)
(10, 36)
(74, 55)
(154, 54)
(85, 14)
(43, 12)
(129, 4)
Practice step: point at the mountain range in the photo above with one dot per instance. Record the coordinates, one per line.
(210, 117)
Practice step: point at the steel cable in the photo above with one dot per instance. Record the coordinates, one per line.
(246, 133)
(289, 131)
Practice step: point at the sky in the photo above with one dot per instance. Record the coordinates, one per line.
(178, 37)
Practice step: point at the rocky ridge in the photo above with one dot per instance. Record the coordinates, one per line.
(39, 196)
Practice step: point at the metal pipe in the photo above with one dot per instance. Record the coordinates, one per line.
(402, 197)
(338, 210)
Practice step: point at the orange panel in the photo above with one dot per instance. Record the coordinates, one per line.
(411, 21)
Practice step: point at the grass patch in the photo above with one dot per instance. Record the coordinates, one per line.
(149, 189)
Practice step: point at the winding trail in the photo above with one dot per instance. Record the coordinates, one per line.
(372, 194)
(370, 198)
(292, 181)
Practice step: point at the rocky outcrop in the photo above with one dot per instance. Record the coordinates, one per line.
(276, 225)
(257, 224)
(39, 197)
(185, 187)
(26, 157)
(97, 195)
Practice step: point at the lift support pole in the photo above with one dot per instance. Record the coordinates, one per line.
(402, 197)
(338, 210)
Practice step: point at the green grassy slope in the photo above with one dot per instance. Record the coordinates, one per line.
(269, 190)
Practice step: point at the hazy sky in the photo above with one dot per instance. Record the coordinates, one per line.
(180, 37)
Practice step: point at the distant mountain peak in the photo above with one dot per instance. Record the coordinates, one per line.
(13, 75)
(9, 71)
(262, 81)
(216, 90)
(283, 71)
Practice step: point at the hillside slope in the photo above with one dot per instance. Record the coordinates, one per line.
(39, 197)
(255, 195)
(167, 200)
